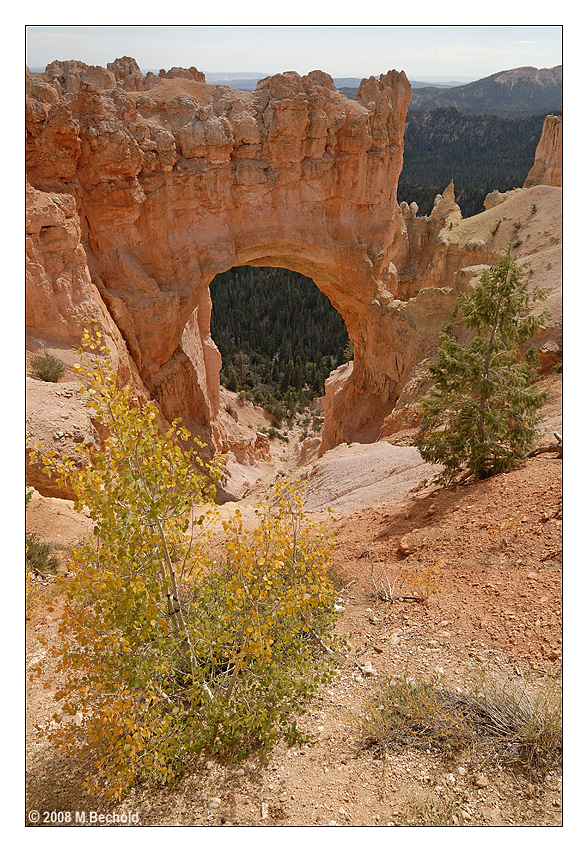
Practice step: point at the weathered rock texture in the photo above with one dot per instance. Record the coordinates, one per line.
(61, 295)
(177, 181)
(142, 189)
(547, 168)
(443, 254)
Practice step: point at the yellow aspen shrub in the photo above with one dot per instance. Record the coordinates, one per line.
(161, 653)
(271, 611)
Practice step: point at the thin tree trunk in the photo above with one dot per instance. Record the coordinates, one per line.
(174, 606)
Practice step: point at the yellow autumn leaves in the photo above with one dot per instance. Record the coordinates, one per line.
(162, 652)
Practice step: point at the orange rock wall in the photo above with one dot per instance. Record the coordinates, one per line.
(60, 293)
(547, 168)
(181, 180)
(142, 189)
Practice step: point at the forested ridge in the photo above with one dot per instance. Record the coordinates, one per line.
(278, 335)
(479, 153)
(518, 93)
(482, 135)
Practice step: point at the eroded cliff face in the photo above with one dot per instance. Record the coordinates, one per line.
(171, 181)
(443, 254)
(61, 295)
(547, 168)
(142, 189)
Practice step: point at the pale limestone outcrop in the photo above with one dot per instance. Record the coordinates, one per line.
(421, 241)
(67, 76)
(435, 251)
(183, 180)
(493, 199)
(548, 165)
(127, 74)
(191, 73)
(308, 451)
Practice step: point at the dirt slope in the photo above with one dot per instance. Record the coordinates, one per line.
(497, 548)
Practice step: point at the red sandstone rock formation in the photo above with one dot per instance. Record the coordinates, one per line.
(547, 168)
(163, 184)
(60, 293)
(178, 182)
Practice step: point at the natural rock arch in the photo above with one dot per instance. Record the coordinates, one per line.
(180, 181)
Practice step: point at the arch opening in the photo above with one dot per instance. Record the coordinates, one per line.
(357, 399)
(278, 335)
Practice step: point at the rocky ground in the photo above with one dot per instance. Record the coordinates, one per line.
(496, 552)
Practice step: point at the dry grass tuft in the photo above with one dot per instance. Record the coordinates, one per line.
(493, 721)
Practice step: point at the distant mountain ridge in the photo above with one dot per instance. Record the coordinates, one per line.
(517, 93)
(247, 81)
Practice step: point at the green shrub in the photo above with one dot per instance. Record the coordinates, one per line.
(39, 556)
(480, 416)
(427, 813)
(273, 433)
(47, 367)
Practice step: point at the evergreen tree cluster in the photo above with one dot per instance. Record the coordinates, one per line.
(479, 153)
(278, 335)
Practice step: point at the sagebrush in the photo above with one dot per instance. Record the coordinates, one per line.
(47, 367)
(495, 719)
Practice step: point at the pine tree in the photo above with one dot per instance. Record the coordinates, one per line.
(232, 383)
(348, 351)
(480, 416)
(286, 381)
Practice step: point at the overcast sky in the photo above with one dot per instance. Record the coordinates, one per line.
(423, 52)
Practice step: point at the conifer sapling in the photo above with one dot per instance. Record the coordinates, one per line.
(480, 416)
